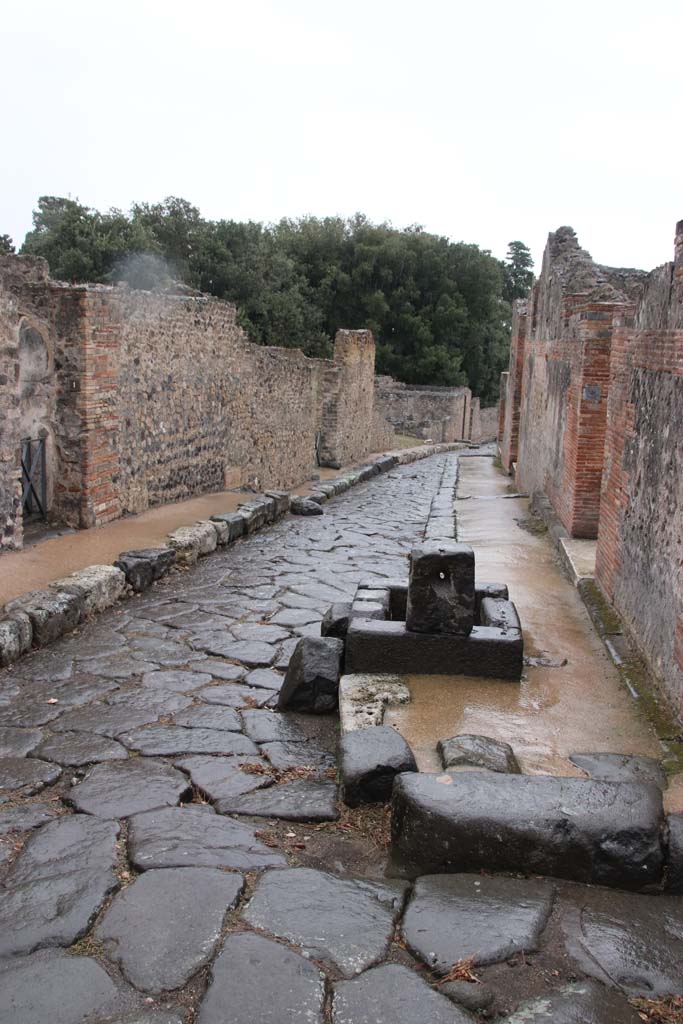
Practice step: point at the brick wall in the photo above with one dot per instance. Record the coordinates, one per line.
(441, 414)
(511, 388)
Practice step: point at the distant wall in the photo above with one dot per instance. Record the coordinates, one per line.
(441, 414)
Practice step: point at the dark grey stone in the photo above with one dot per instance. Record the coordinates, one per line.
(27, 712)
(252, 653)
(267, 634)
(160, 702)
(79, 748)
(52, 613)
(18, 742)
(627, 941)
(494, 611)
(224, 669)
(470, 995)
(300, 800)
(294, 617)
(146, 565)
(621, 768)
(265, 678)
(281, 500)
(195, 836)
(304, 507)
(297, 755)
(166, 925)
(235, 695)
(255, 514)
(235, 522)
(262, 982)
(129, 787)
(392, 993)
(479, 752)
(495, 590)
(130, 713)
(27, 816)
(336, 620)
(601, 832)
(270, 727)
(674, 873)
(346, 923)
(57, 884)
(369, 761)
(582, 1002)
(441, 588)
(222, 778)
(312, 680)
(167, 740)
(204, 716)
(56, 987)
(28, 774)
(452, 917)
(180, 682)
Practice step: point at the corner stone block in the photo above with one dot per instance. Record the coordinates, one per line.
(501, 614)
(100, 586)
(441, 588)
(52, 613)
(281, 499)
(369, 761)
(336, 620)
(255, 515)
(312, 680)
(236, 525)
(16, 635)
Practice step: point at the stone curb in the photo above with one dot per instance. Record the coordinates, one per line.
(40, 617)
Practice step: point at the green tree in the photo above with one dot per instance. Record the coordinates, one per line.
(6, 245)
(518, 271)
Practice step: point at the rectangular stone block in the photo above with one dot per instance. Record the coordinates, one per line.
(499, 613)
(255, 515)
(236, 523)
(100, 586)
(441, 588)
(52, 613)
(281, 499)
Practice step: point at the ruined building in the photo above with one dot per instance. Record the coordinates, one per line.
(591, 417)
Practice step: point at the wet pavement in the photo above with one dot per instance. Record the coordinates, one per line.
(172, 850)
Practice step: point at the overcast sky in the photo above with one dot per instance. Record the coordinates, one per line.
(485, 122)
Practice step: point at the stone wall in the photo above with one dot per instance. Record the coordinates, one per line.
(484, 422)
(10, 523)
(440, 414)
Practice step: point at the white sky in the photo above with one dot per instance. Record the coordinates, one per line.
(485, 122)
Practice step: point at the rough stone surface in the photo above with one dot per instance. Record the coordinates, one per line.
(453, 917)
(601, 832)
(369, 761)
(252, 653)
(99, 586)
(312, 680)
(297, 755)
(477, 752)
(468, 994)
(79, 748)
(119, 790)
(299, 800)
(144, 566)
(234, 523)
(441, 588)
(305, 507)
(16, 633)
(28, 774)
(269, 727)
(189, 542)
(180, 682)
(262, 982)
(621, 768)
(497, 612)
(26, 816)
(345, 923)
(221, 777)
(57, 883)
(674, 878)
(363, 698)
(55, 987)
(202, 716)
(175, 739)
(18, 742)
(336, 620)
(582, 1002)
(166, 925)
(52, 613)
(392, 993)
(196, 837)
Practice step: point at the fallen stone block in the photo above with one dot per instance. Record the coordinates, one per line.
(604, 833)
(493, 611)
(363, 699)
(16, 635)
(674, 874)
(100, 586)
(145, 566)
(189, 542)
(305, 507)
(312, 680)
(441, 588)
(281, 499)
(336, 620)
(369, 761)
(477, 752)
(236, 525)
(52, 613)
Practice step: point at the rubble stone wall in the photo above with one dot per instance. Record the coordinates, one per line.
(440, 414)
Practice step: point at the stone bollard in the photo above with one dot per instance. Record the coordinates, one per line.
(441, 588)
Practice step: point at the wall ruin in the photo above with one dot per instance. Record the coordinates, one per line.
(438, 414)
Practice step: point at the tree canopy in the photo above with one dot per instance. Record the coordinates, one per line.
(439, 310)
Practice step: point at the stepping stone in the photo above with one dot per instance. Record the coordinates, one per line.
(62, 989)
(195, 836)
(627, 941)
(203, 717)
(297, 755)
(27, 816)
(133, 786)
(300, 800)
(262, 982)
(223, 670)
(264, 634)
(392, 993)
(18, 742)
(30, 775)
(269, 727)
(251, 653)
(574, 1004)
(222, 777)
(235, 695)
(166, 925)
(265, 678)
(621, 768)
(453, 917)
(345, 923)
(606, 833)
(181, 682)
(57, 884)
(477, 752)
(312, 680)
(369, 761)
(79, 748)
(174, 739)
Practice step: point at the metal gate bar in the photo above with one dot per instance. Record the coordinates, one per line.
(33, 470)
